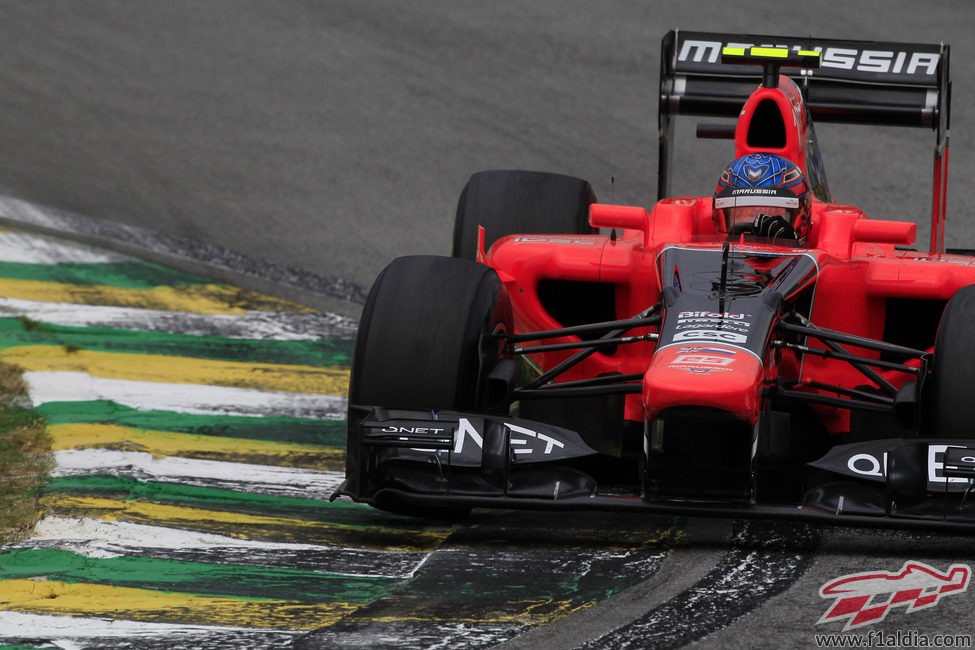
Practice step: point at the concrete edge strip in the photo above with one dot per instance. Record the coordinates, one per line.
(318, 291)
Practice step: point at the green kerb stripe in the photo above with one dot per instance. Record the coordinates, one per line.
(124, 275)
(196, 578)
(330, 433)
(16, 332)
(338, 513)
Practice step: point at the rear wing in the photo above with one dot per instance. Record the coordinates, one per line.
(859, 82)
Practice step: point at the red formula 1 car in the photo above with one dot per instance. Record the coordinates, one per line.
(762, 351)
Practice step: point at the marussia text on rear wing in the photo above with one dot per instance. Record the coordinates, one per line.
(860, 82)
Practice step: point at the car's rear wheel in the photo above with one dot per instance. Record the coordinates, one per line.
(507, 202)
(422, 342)
(950, 394)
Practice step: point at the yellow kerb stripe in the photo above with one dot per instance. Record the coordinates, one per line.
(194, 299)
(526, 612)
(127, 603)
(188, 445)
(241, 525)
(181, 370)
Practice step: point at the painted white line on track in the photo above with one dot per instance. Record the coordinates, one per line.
(57, 386)
(242, 477)
(276, 326)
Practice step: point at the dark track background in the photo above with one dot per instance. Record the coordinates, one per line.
(333, 136)
(336, 135)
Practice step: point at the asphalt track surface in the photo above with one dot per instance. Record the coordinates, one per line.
(331, 137)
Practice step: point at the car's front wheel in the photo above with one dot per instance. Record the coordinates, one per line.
(424, 342)
(421, 342)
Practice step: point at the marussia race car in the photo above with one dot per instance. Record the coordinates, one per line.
(573, 354)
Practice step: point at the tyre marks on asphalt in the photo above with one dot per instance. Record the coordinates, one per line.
(197, 429)
(764, 560)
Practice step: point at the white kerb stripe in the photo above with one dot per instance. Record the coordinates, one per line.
(262, 479)
(277, 326)
(56, 386)
(103, 534)
(37, 249)
(62, 630)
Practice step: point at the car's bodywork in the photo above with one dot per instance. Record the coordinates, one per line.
(667, 367)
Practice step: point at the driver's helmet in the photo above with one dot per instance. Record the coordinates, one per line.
(761, 184)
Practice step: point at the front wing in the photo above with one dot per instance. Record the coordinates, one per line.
(447, 459)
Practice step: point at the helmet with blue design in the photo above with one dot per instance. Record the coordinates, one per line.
(764, 194)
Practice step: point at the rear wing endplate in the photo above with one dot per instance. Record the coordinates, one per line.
(858, 82)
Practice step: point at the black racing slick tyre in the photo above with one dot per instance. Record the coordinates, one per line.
(950, 393)
(507, 202)
(421, 343)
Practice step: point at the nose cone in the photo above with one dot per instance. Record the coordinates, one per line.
(707, 375)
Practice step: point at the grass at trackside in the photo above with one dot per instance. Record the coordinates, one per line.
(25, 457)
